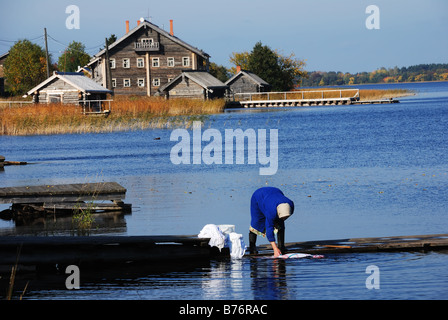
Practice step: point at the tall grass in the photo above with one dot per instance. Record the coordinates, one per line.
(127, 113)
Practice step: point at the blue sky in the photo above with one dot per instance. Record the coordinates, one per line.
(330, 35)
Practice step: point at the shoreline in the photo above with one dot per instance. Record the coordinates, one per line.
(128, 114)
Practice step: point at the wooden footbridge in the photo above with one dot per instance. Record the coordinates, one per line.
(376, 244)
(67, 197)
(302, 98)
(63, 250)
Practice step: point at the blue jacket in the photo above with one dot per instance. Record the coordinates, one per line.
(263, 210)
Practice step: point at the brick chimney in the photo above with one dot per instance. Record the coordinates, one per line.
(138, 22)
(238, 69)
(127, 26)
(171, 28)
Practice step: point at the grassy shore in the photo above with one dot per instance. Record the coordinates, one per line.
(127, 113)
(131, 113)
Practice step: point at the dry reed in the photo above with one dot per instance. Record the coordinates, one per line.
(127, 113)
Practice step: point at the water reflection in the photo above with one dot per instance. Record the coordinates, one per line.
(269, 281)
(225, 280)
(56, 224)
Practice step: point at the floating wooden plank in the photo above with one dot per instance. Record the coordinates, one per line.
(63, 192)
(100, 249)
(357, 245)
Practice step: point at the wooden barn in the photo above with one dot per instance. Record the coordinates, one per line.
(195, 85)
(145, 59)
(68, 88)
(246, 82)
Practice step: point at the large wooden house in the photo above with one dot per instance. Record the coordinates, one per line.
(145, 59)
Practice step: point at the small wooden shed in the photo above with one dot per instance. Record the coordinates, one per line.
(68, 88)
(246, 82)
(195, 85)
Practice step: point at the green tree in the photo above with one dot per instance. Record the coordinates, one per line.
(281, 72)
(25, 67)
(73, 57)
(219, 72)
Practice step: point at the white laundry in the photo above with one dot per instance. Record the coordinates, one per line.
(228, 239)
(300, 255)
(236, 245)
(217, 238)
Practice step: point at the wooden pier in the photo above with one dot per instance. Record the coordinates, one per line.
(302, 98)
(63, 250)
(64, 198)
(358, 245)
(66, 250)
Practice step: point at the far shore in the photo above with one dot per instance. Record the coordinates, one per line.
(127, 113)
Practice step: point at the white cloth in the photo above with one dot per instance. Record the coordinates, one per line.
(236, 245)
(212, 231)
(229, 239)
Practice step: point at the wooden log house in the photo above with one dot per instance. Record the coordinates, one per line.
(245, 81)
(194, 85)
(2, 75)
(145, 59)
(68, 88)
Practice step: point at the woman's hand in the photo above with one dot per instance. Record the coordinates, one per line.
(277, 251)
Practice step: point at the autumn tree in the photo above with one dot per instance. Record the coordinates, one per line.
(281, 72)
(25, 67)
(219, 72)
(73, 57)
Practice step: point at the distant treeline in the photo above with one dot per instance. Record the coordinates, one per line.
(421, 72)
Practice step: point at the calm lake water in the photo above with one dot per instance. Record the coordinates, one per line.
(352, 171)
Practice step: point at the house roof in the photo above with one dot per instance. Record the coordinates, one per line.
(4, 55)
(148, 24)
(77, 80)
(249, 74)
(202, 78)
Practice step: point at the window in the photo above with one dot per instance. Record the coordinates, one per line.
(155, 62)
(126, 83)
(170, 62)
(141, 82)
(156, 82)
(148, 40)
(112, 63)
(140, 63)
(185, 61)
(126, 63)
(114, 83)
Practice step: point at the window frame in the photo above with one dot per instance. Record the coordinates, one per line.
(129, 63)
(124, 83)
(143, 82)
(142, 60)
(186, 61)
(155, 62)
